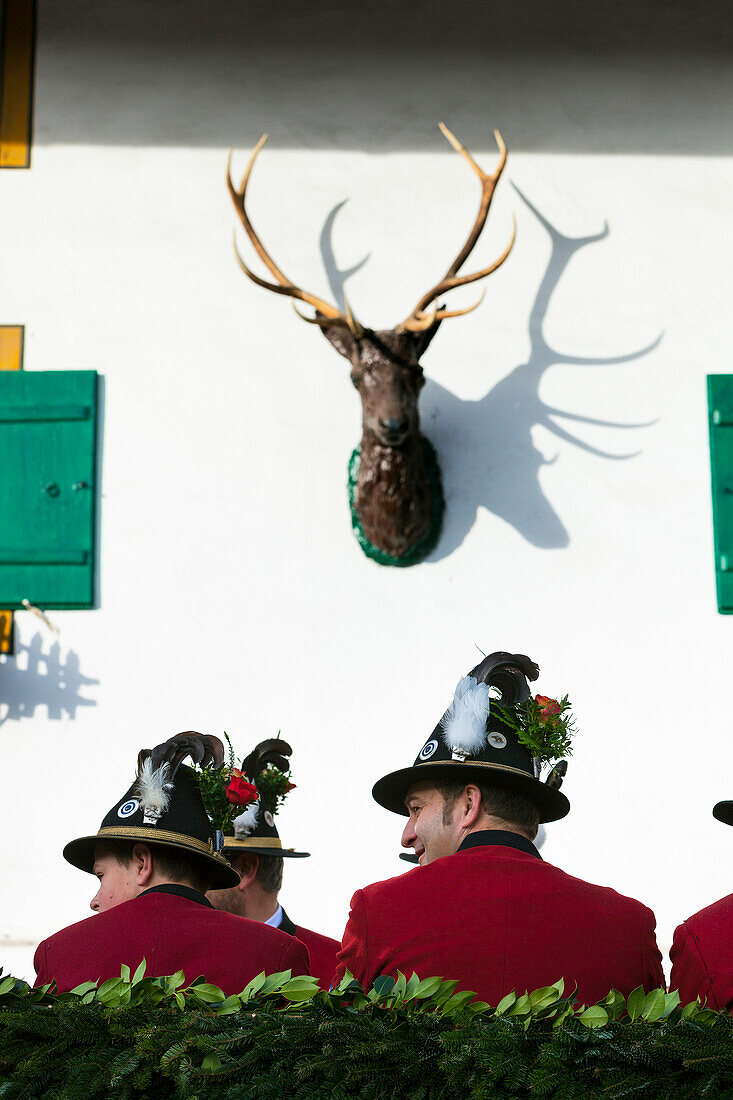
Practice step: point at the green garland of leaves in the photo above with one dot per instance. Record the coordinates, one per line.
(418, 1040)
(548, 737)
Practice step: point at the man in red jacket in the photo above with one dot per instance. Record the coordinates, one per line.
(155, 855)
(256, 852)
(483, 907)
(702, 948)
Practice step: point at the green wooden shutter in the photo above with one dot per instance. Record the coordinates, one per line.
(48, 430)
(720, 414)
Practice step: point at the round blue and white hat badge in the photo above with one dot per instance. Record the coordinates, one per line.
(127, 809)
(427, 750)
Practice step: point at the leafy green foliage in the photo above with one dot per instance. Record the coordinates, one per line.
(136, 1036)
(273, 786)
(213, 784)
(544, 726)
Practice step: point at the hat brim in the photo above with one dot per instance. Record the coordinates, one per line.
(391, 790)
(723, 811)
(257, 848)
(80, 853)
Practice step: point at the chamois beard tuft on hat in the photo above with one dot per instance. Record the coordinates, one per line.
(157, 767)
(464, 723)
(244, 824)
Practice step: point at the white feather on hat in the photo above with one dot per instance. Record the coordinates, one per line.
(245, 823)
(464, 723)
(153, 789)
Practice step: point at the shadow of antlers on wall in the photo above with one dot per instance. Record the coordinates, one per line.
(34, 678)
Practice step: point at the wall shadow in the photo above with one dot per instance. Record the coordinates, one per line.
(337, 277)
(36, 678)
(485, 446)
(632, 76)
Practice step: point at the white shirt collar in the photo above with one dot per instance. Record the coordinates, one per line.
(276, 919)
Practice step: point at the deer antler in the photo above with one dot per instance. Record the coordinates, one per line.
(419, 320)
(330, 315)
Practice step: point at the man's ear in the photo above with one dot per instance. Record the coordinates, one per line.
(247, 867)
(142, 864)
(471, 805)
(341, 339)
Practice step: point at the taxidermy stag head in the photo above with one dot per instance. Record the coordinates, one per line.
(394, 480)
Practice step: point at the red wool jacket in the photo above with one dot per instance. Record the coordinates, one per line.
(702, 956)
(172, 930)
(322, 950)
(498, 918)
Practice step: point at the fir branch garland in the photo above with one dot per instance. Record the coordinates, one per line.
(405, 1038)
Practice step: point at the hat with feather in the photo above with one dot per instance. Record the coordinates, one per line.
(494, 733)
(244, 801)
(164, 807)
(723, 811)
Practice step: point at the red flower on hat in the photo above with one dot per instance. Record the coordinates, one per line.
(290, 787)
(239, 791)
(549, 708)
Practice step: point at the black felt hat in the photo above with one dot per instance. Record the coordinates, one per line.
(164, 806)
(723, 811)
(255, 830)
(476, 741)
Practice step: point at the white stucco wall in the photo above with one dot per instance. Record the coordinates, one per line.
(233, 596)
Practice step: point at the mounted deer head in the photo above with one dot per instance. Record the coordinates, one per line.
(394, 480)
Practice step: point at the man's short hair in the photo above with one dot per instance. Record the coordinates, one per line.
(270, 873)
(172, 863)
(515, 809)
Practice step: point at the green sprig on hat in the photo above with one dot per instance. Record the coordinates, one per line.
(544, 726)
(228, 790)
(274, 785)
(224, 791)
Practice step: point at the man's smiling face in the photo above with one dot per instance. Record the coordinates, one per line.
(427, 831)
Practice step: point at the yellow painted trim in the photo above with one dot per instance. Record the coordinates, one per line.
(11, 358)
(6, 633)
(11, 347)
(16, 94)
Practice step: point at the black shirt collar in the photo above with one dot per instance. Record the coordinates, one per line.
(286, 925)
(180, 892)
(499, 838)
